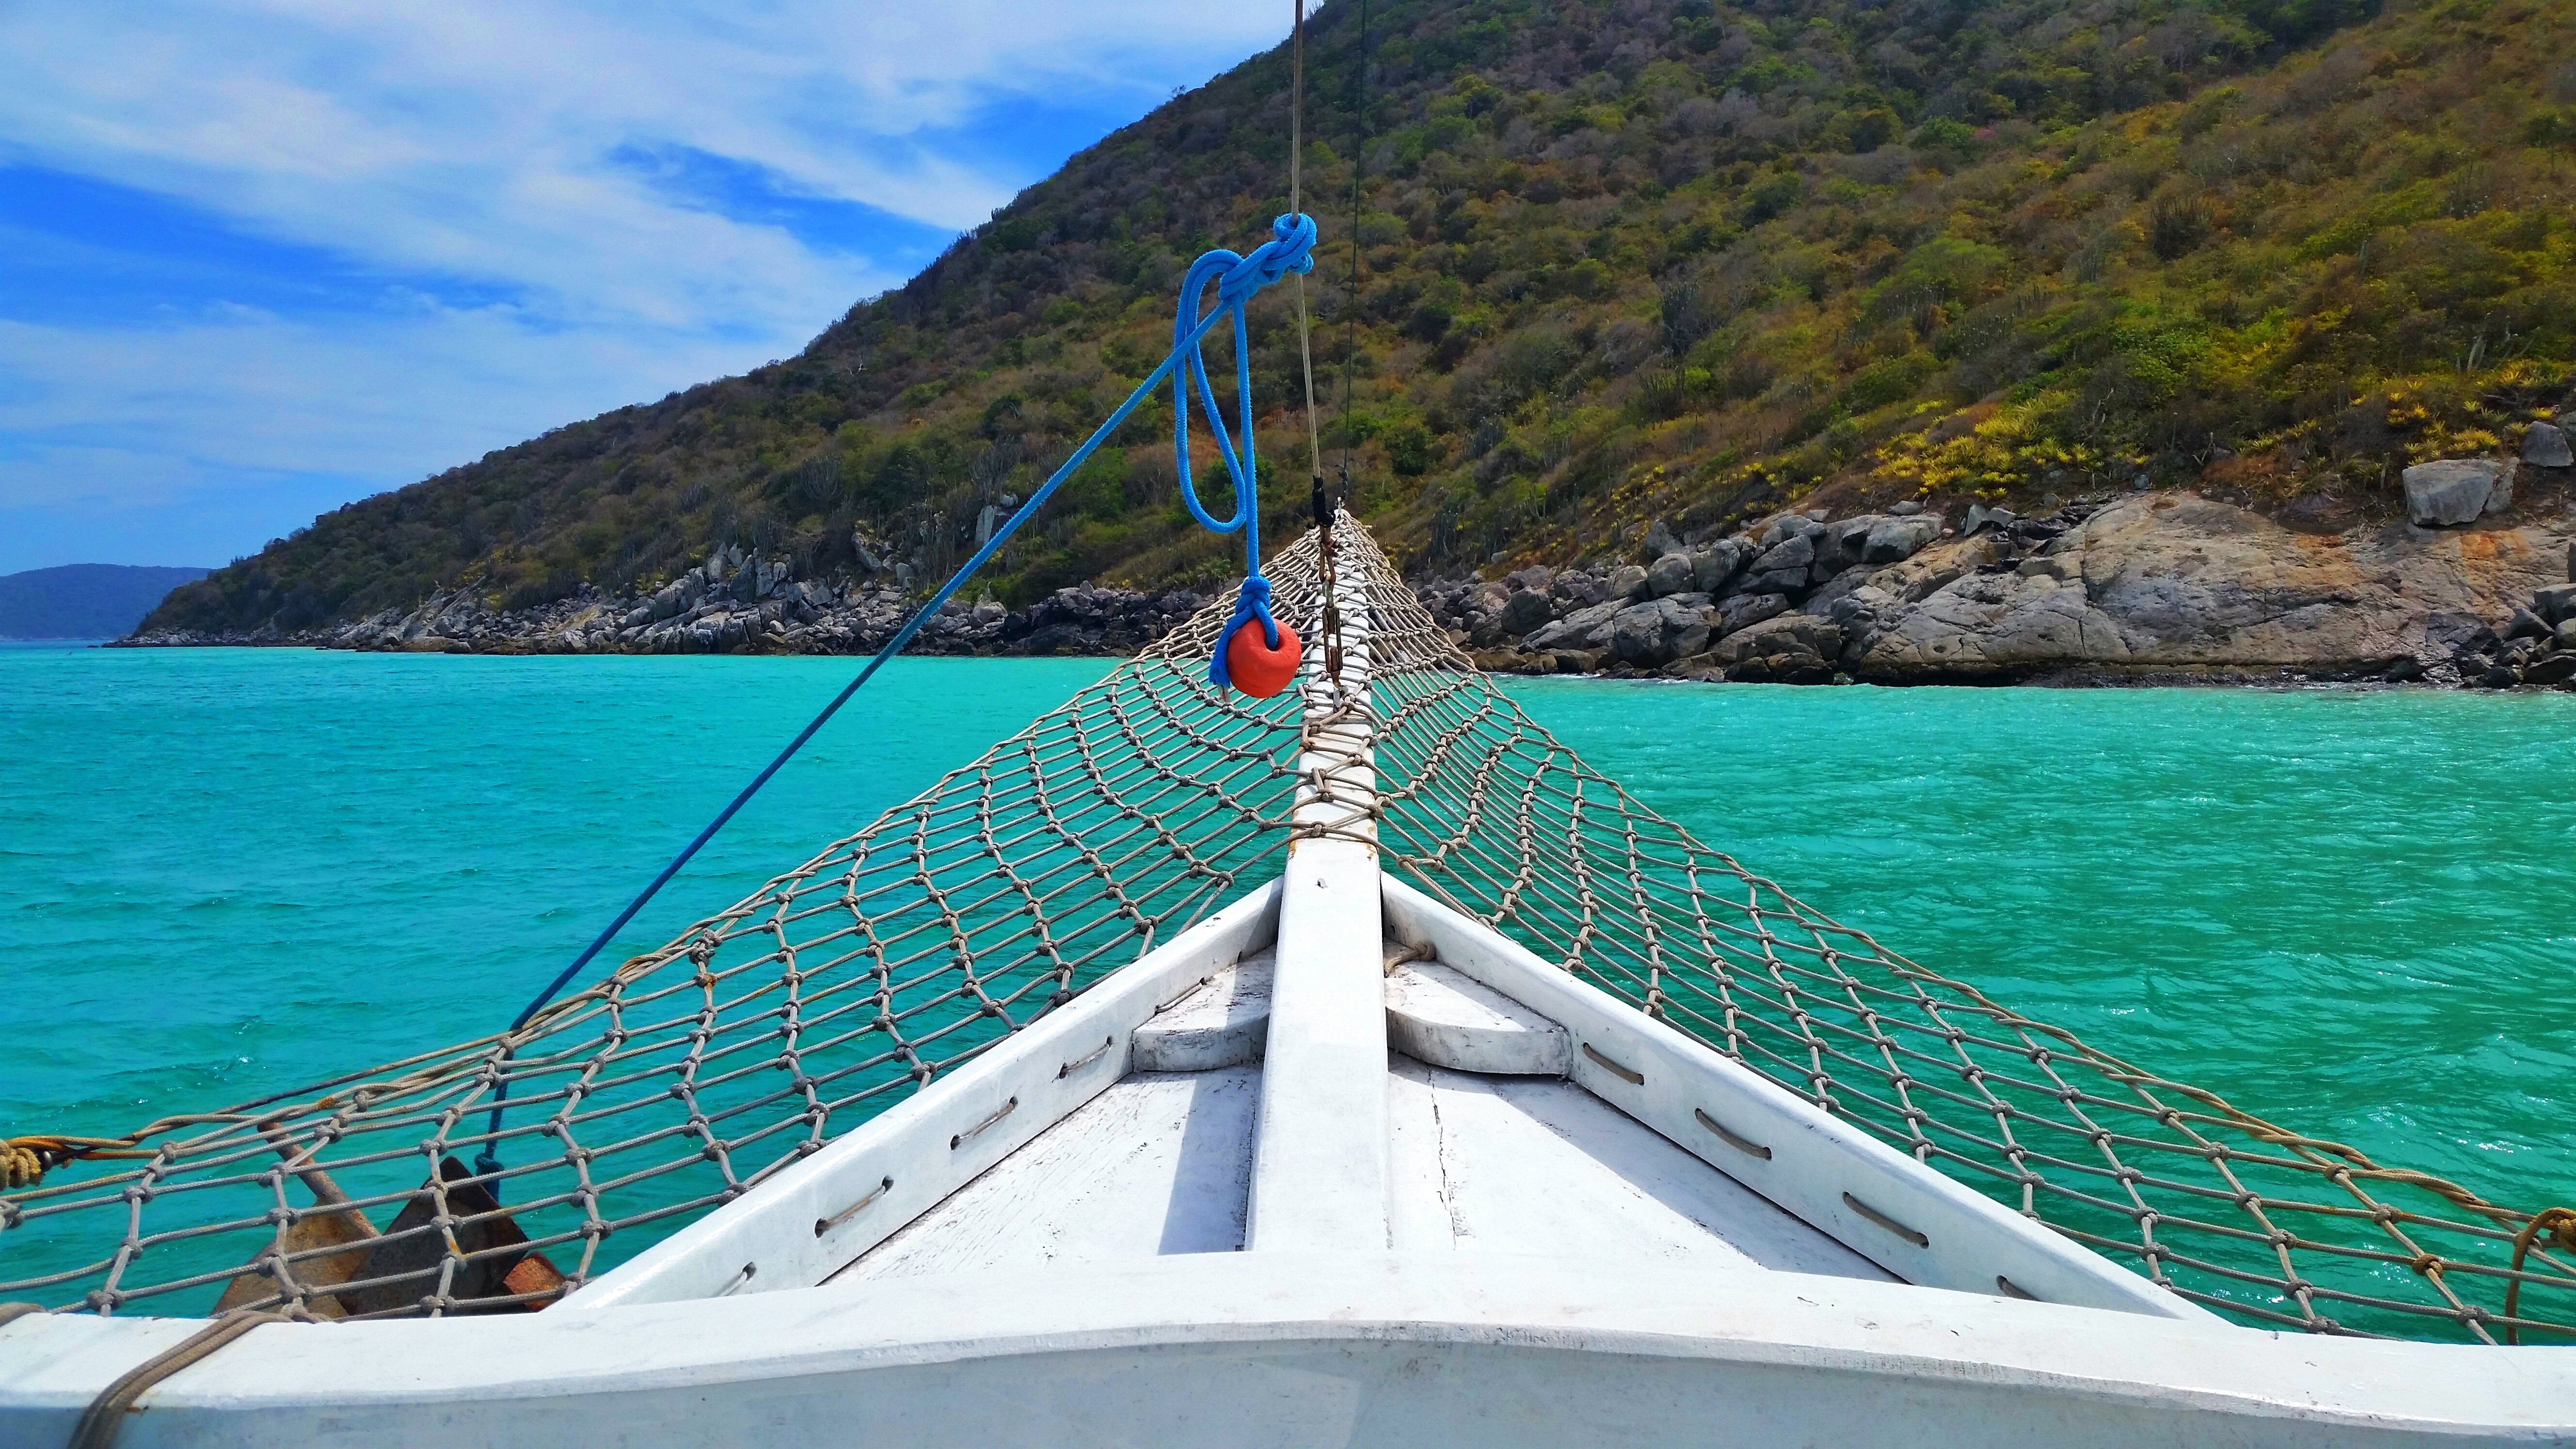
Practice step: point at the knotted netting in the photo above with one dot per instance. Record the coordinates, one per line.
(1146, 802)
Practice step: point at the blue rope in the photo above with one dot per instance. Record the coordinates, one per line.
(1290, 250)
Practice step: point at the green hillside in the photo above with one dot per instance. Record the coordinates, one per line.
(1630, 261)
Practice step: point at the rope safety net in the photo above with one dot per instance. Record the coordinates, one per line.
(697, 1071)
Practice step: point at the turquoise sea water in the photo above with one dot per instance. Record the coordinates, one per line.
(227, 872)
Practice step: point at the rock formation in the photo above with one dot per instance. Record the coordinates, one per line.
(2140, 587)
(2149, 586)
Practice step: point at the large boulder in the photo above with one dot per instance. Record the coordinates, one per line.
(1776, 581)
(1715, 566)
(2500, 495)
(1660, 631)
(1899, 539)
(1788, 526)
(1796, 552)
(1745, 610)
(2555, 669)
(2457, 490)
(1980, 516)
(1524, 611)
(1627, 581)
(1671, 574)
(1820, 598)
(2557, 605)
(1861, 610)
(1783, 645)
(2544, 445)
(1585, 628)
(1838, 545)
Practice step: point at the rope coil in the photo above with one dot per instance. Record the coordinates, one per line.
(1290, 250)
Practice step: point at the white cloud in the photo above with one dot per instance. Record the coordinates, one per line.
(406, 396)
(196, 443)
(477, 137)
(490, 145)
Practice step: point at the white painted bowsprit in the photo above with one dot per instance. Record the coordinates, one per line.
(1319, 1176)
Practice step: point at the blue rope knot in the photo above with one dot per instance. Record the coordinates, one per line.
(1252, 602)
(1291, 248)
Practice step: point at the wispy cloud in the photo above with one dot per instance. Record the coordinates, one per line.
(267, 257)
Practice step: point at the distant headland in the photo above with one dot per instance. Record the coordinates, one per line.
(84, 601)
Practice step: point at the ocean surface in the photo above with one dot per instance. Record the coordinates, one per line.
(228, 872)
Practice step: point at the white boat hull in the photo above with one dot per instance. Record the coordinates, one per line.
(1310, 1349)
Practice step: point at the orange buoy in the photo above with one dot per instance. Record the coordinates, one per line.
(1252, 666)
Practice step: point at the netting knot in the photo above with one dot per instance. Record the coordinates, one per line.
(20, 1165)
(24, 1161)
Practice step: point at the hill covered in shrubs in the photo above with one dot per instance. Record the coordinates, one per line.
(1618, 264)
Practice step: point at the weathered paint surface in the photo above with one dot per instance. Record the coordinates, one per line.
(1538, 1165)
(1160, 1163)
(1811, 1163)
(912, 1157)
(1222, 1022)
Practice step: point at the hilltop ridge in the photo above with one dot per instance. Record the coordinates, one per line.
(1628, 265)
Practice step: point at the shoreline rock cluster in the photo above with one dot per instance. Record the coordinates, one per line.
(1777, 603)
(2137, 588)
(2145, 588)
(738, 603)
(2536, 647)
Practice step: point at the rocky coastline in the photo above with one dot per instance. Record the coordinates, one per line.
(738, 603)
(2143, 587)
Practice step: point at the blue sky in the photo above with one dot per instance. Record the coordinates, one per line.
(259, 259)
